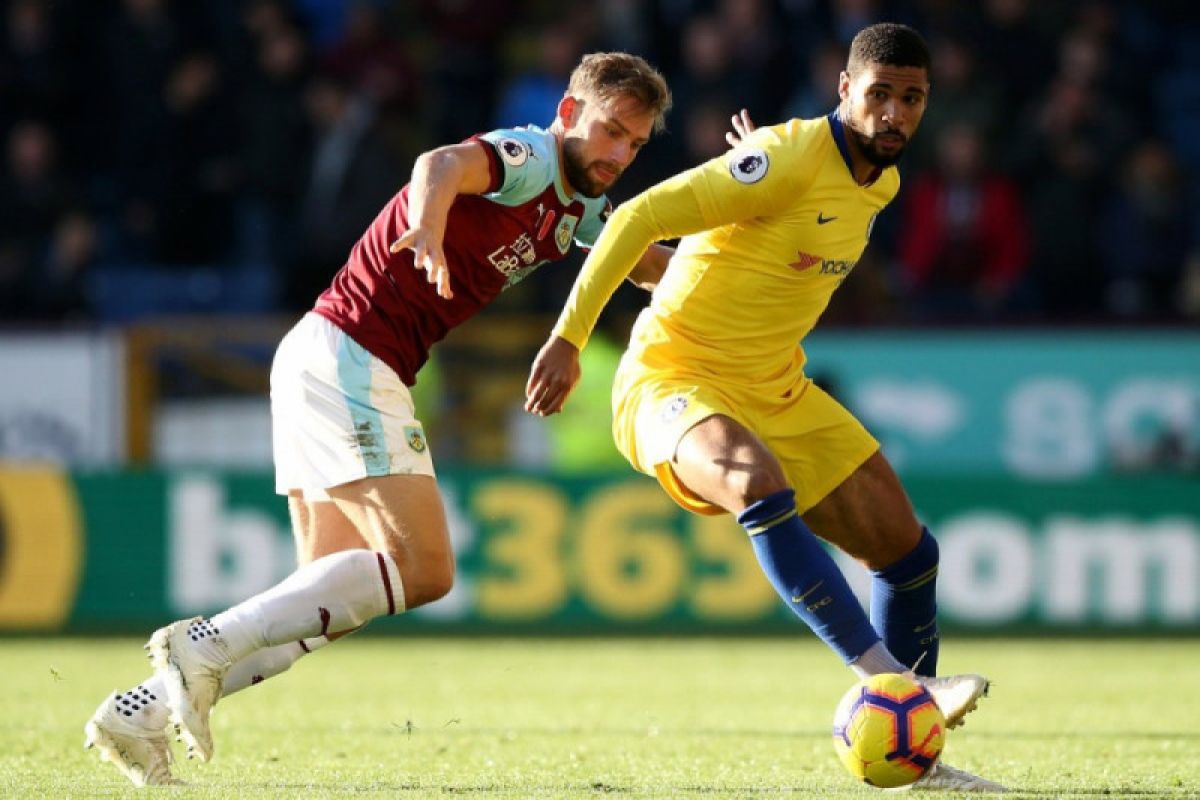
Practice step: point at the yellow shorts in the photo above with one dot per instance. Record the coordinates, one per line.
(818, 442)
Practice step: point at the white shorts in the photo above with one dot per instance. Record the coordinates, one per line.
(338, 413)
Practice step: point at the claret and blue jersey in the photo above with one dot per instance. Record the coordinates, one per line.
(492, 241)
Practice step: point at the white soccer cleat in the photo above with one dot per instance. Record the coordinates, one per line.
(945, 778)
(955, 695)
(193, 681)
(142, 755)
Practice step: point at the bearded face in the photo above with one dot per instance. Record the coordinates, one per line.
(882, 107)
(591, 178)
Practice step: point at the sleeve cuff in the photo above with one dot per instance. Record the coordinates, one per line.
(495, 169)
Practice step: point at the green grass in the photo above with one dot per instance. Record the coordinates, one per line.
(394, 717)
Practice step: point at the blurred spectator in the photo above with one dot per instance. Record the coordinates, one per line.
(706, 72)
(461, 77)
(351, 174)
(31, 72)
(32, 195)
(141, 43)
(1014, 51)
(184, 127)
(964, 240)
(818, 93)
(372, 61)
(756, 56)
(1145, 236)
(532, 95)
(960, 93)
(194, 193)
(848, 17)
(275, 140)
(624, 25)
(1064, 154)
(59, 291)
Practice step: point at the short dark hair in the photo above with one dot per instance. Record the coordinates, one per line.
(888, 43)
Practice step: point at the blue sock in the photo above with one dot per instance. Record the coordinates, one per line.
(904, 606)
(805, 576)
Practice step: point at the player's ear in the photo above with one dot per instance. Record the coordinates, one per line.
(569, 109)
(844, 85)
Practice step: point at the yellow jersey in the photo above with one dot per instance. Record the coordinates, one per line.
(769, 230)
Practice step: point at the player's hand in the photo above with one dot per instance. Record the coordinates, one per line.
(552, 378)
(427, 255)
(743, 126)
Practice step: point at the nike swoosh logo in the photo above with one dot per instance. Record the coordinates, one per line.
(924, 627)
(800, 599)
(822, 219)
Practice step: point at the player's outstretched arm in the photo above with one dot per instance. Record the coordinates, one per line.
(438, 177)
(552, 378)
(653, 264)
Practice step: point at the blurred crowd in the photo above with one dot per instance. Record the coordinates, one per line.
(222, 155)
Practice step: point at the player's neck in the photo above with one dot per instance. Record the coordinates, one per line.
(864, 171)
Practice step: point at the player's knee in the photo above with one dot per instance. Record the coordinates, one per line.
(750, 486)
(428, 581)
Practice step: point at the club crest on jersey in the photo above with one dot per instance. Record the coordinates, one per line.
(415, 438)
(748, 166)
(564, 232)
(513, 152)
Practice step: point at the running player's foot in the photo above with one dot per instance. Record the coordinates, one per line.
(945, 778)
(955, 695)
(193, 679)
(142, 755)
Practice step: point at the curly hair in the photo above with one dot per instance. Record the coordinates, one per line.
(888, 43)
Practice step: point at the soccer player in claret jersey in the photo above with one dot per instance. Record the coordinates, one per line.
(711, 396)
(349, 453)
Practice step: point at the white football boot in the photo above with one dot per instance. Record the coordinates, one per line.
(142, 755)
(193, 679)
(955, 695)
(945, 778)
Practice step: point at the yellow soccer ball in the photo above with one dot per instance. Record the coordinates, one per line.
(888, 731)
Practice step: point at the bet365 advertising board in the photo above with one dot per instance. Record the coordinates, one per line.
(128, 550)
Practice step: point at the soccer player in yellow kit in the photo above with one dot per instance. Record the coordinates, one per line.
(711, 396)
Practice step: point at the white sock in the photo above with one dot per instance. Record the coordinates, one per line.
(144, 704)
(335, 593)
(877, 660)
(267, 663)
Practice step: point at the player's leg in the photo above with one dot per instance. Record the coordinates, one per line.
(852, 498)
(411, 564)
(725, 464)
(403, 517)
(343, 423)
(869, 516)
(129, 728)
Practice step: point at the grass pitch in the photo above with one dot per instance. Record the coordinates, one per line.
(645, 718)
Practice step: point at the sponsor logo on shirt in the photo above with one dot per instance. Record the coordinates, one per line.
(829, 266)
(748, 166)
(518, 254)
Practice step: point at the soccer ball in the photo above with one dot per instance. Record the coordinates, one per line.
(888, 731)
